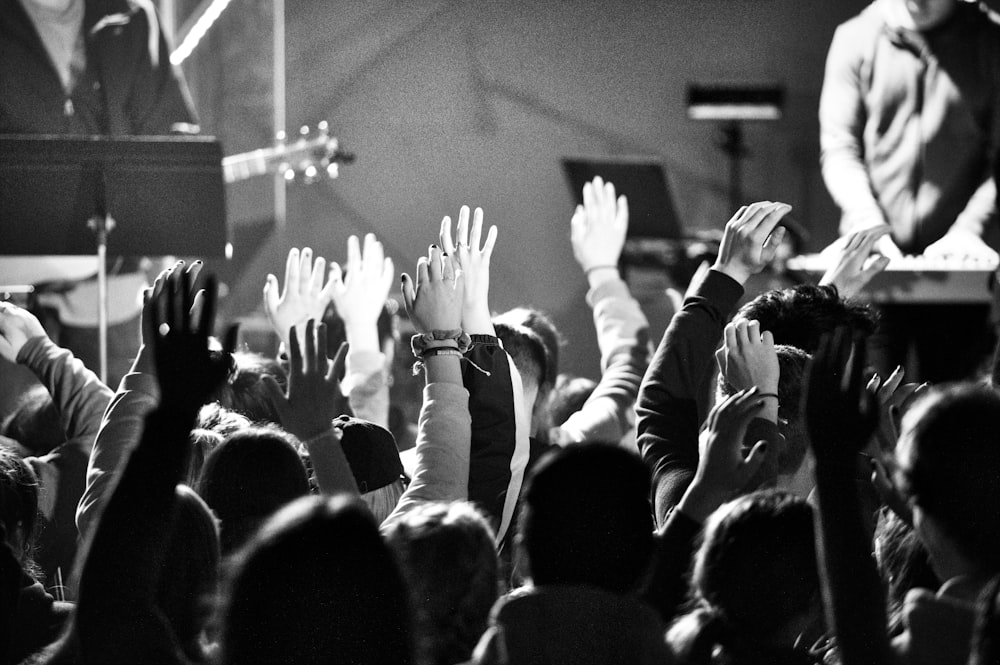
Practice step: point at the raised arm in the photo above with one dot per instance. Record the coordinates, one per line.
(360, 297)
(599, 227)
(500, 421)
(444, 433)
(681, 367)
(117, 617)
(841, 416)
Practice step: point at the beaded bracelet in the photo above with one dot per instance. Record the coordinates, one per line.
(441, 351)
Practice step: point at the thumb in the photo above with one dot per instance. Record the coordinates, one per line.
(755, 460)
(274, 393)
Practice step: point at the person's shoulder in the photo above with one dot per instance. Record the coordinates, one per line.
(866, 23)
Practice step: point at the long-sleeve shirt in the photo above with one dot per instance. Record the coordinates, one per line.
(908, 124)
(444, 437)
(80, 399)
(623, 337)
(679, 373)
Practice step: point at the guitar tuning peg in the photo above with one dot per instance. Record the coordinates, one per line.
(310, 174)
(280, 136)
(304, 130)
(332, 170)
(323, 127)
(289, 174)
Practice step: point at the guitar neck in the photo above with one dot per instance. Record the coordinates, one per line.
(248, 164)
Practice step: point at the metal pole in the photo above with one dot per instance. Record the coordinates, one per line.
(280, 200)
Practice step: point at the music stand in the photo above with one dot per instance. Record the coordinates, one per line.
(130, 196)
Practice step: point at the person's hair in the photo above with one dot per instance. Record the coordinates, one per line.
(527, 351)
(19, 506)
(754, 572)
(568, 396)
(35, 422)
(949, 457)
(190, 571)
(317, 584)
(903, 564)
(539, 323)
(986, 634)
(215, 422)
(247, 477)
(800, 315)
(585, 518)
(448, 557)
(792, 366)
(245, 392)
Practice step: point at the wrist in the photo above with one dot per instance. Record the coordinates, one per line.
(738, 274)
(361, 337)
(477, 321)
(600, 274)
(701, 500)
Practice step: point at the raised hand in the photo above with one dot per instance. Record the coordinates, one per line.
(748, 358)
(144, 361)
(474, 262)
(894, 397)
(314, 397)
(598, 227)
(855, 265)
(17, 326)
(436, 301)
(304, 296)
(722, 469)
(360, 295)
(750, 239)
(187, 370)
(841, 415)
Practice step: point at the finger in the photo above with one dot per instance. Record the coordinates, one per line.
(753, 332)
(755, 460)
(730, 336)
(271, 296)
(305, 270)
(766, 224)
(720, 359)
(447, 268)
(406, 289)
(309, 347)
(608, 202)
(772, 243)
(753, 214)
(322, 347)
(336, 282)
(338, 368)
(197, 305)
(318, 275)
(388, 272)
(874, 265)
(291, 270)
(890, 385)
(476, 231)
(463, 226)
(444, 236)
(353, 257)
(589, 201)
(434, 261)
(294, 352)
(194, 270)
(423, 275)
(491, 241)
(735, 219)
(621, 216)
(767, 339)
(373, 255)
(873, 384)
(231, 338)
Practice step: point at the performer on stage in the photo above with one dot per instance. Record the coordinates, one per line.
(909, 122)
(91, 67)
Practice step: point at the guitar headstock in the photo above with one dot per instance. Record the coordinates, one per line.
(310, 157)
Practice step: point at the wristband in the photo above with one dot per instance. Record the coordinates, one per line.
(774, 395)
(441, 351)
(428, 340)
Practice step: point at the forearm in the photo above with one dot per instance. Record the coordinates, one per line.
(79, 395)
(667, 407)
(852, 590)
(119, 433)
(443, 448)
(667, 588)
(329, 464)
(367, 387)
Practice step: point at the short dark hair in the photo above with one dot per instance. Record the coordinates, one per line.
(247, 477)
(949, 457)
(800, 315)
(585, 518)
(245, 392)
(754, 571)
(448, 555)
(317, 584)
(19, 503)
(539, 323)
(527, 350)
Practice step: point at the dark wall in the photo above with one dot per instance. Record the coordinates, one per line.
(475, 102)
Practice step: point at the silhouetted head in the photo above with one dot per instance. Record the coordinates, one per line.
(585, 518)
(246, 393)
(317, 585)
(19, 506)
(249, 476)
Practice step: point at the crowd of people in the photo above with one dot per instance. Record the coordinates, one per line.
(715, 500)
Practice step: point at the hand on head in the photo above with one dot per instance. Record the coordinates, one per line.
(751, 239)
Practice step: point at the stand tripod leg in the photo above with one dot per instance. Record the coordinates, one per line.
(101, 226)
